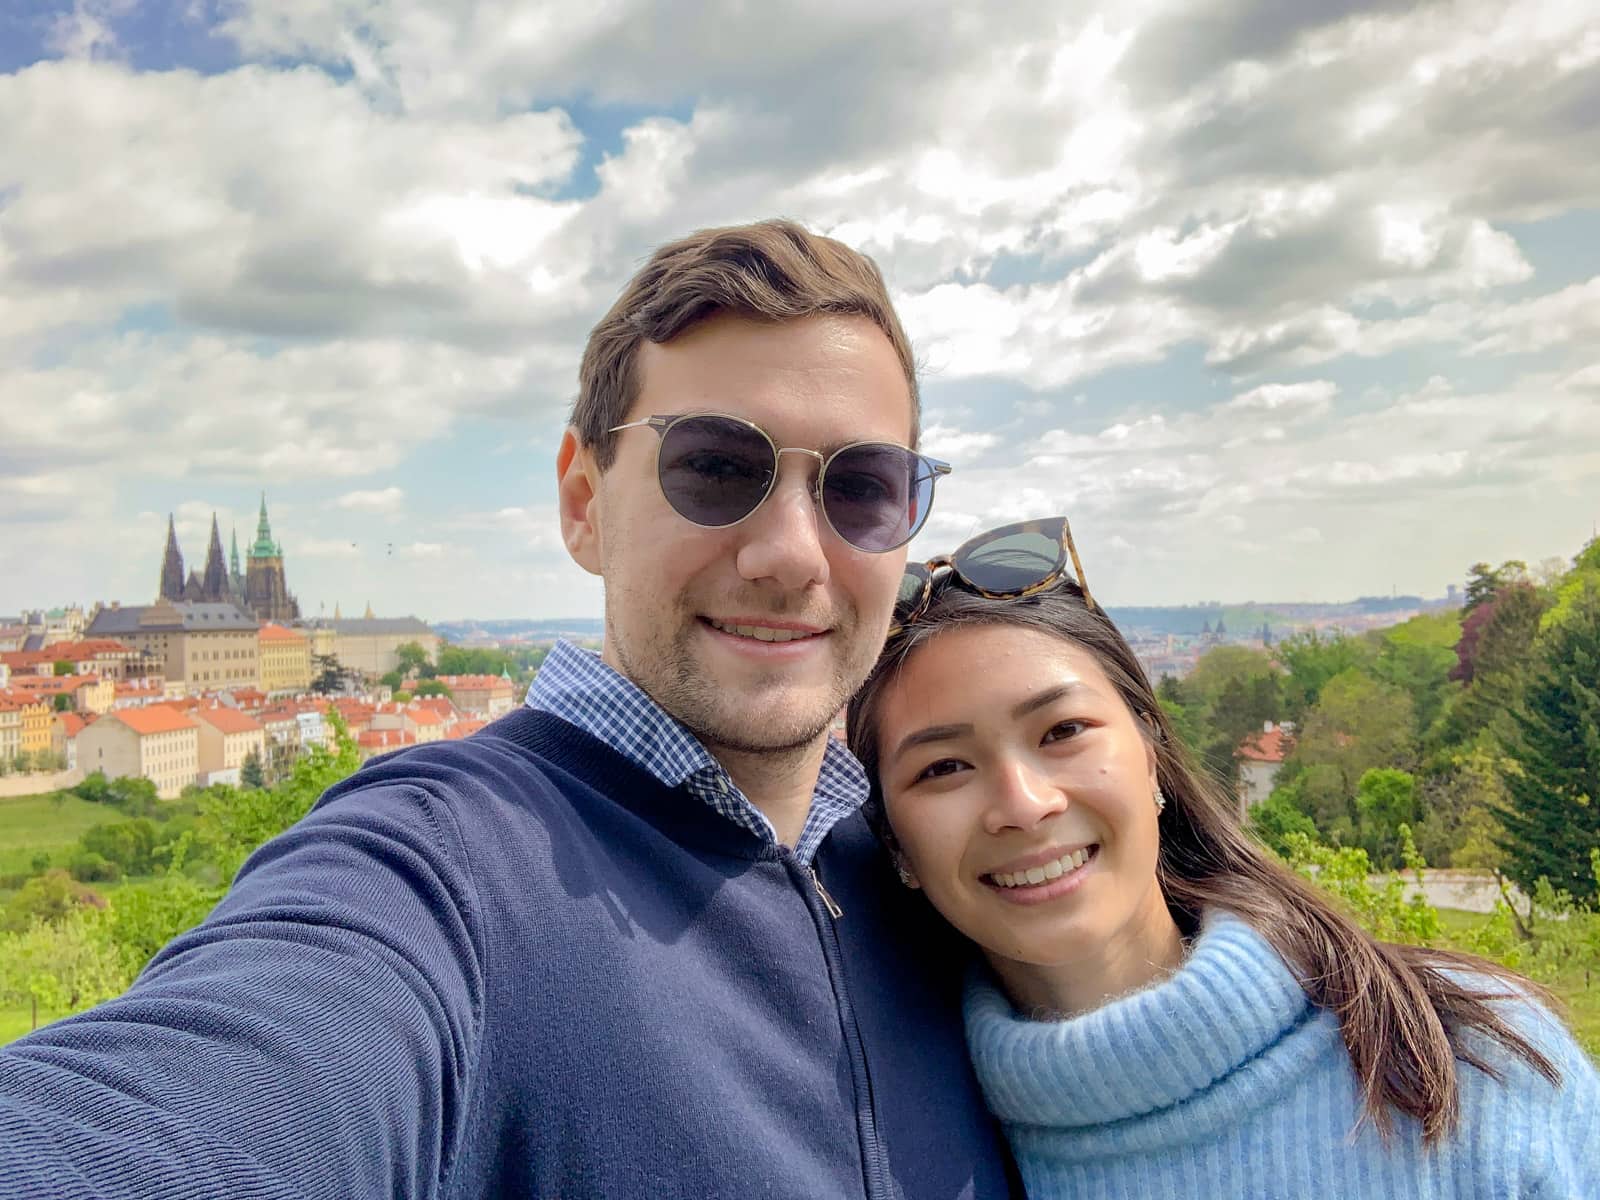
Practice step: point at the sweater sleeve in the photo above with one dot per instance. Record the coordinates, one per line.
(312, 1038)
(1574, 1118)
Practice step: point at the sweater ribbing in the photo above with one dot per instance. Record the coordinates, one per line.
(1224, 1080)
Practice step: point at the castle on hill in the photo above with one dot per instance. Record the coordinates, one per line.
(260, 589)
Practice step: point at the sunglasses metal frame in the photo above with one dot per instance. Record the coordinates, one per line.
(663, 425)
(1066, 550)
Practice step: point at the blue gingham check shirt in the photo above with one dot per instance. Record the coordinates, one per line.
(579, 688)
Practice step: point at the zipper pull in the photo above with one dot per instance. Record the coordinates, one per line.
(834, 910)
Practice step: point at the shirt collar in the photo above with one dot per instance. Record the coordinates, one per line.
(580, 688)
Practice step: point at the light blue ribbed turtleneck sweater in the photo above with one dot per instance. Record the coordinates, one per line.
(1224, 1081)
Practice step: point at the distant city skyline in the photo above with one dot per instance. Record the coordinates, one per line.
(1281, 303)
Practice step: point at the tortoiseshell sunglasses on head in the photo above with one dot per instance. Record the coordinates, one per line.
(1002, 564)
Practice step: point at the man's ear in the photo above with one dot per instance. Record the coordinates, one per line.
(578, 495)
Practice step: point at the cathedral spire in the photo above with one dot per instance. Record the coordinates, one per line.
(171, 566)
(263, 547)
(214, 584)
(233, 553)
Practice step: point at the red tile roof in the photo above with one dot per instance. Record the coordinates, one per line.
(1270, 746)
(227, 720)
(156, 718)
(277, 633)
(385, 739)
(71, 724)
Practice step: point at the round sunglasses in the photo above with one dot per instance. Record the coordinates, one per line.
(715, 470)
(1003, 564)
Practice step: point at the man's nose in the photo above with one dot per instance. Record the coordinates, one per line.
(783, 539)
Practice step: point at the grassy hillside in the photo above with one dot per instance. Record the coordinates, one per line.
(30, 824)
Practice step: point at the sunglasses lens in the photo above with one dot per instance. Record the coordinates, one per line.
(910, 588)
(877, 495)
(1011, 563)
(715, 471)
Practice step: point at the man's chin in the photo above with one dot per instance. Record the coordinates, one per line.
(771, 725)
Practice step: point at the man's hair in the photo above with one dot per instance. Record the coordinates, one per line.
(772, 270)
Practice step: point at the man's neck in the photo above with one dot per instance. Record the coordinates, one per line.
(780, 783)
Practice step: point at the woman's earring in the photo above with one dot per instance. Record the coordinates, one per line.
(1161, 801)
(906, 877)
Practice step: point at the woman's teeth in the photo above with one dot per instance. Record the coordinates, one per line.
(1034, 876)
(762, 633)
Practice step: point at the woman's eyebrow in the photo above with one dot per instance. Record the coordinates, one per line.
(946, 733)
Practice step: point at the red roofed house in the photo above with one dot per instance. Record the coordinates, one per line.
(227, 737)
(64, 736)
(1260, 757)
(105, 657)
(88, 693)
(485, 695)
(10, 727)
(465, 727)
(157, 742)
(381, 741)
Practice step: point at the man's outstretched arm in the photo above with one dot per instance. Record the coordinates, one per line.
(312, 1038)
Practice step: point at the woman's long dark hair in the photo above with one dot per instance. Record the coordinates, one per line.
(1402, 1009)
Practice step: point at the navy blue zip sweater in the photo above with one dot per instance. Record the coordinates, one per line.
(519, 966)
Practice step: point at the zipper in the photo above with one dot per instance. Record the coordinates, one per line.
(834, 910)
(874, 1155)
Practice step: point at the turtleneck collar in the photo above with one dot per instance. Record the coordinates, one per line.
(1228, 1031)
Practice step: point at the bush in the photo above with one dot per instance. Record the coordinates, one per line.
(128, 844)
(48, 897)
(86, 866)
(1276, 817)
(66, 965)
(1382, 909)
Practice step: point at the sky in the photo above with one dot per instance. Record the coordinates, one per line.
(1276, 301)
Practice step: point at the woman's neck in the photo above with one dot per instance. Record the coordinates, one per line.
(1146, 951)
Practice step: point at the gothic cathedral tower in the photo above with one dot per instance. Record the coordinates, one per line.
(171, 566)
(266, 592)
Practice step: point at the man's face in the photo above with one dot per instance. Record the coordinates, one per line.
(677, 595)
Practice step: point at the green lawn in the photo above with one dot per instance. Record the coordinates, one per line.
(29, 824)
(14, 1022)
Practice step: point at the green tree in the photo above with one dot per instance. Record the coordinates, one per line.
(129, 844)
(392, 680)
(1275, 818)
(1552, 820)
(93, 788)
(1357, 723)
(1386, 803)
(432, 687)
(66, 965)
(133, 795)
(1312, 660)
(47, 897)
(329, 675)
(1502, 635)
(62, 667)
(250, 773)
(1418, 657)
(413, 658)
(61, 702)
(232, 823)
(1462, 802)
(147, 916)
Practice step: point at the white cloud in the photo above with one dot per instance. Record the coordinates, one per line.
(383, 500)
(380, 235)
(946, 441)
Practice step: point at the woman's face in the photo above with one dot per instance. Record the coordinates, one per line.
(1021, 790)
